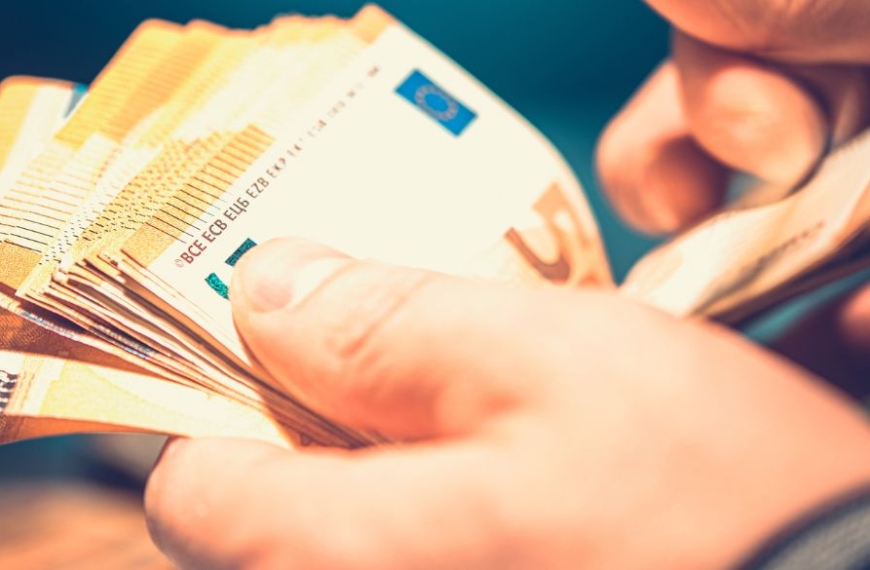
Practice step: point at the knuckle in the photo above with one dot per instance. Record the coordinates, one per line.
(372, 297)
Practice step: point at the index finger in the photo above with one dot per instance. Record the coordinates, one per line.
(237, 504)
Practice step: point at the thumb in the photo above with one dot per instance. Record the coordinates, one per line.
(801, 31)
(377, 347)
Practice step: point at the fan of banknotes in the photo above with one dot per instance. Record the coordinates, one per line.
(125, 205)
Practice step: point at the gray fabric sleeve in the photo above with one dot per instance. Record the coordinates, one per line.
(836, 537)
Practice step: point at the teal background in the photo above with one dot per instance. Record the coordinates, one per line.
(567, 65)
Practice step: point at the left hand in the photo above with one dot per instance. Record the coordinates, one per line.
(542, 429)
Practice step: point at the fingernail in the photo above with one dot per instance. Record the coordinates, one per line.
(283, 272)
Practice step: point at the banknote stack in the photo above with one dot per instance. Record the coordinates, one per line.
(125, 205)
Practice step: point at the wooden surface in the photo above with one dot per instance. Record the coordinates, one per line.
(60, 527)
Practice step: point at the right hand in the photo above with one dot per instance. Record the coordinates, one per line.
(760, 86)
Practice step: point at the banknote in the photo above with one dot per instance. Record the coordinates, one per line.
(123, 212)
(51, 385)
(361, 157)
(198, 142)
(31, 111)
(57, 329)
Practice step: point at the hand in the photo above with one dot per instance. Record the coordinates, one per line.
(541, 429)
(759, 86)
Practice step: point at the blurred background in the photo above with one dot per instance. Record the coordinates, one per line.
(567, 65)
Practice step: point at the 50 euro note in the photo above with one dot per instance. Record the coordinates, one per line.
(51, 185)
(389, 151)
(234, 96)
(403, 158)
(270, 99)
(52, 385)
(388, 163)
(223, 88)
(52, 378)
(159, 338)
(31, 111)
(356, 134)
(201, 59)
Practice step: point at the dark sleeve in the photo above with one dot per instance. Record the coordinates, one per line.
(836, 537)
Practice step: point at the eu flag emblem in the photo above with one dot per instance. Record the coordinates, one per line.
(436, 102)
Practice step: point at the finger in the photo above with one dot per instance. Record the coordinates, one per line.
(748, 115)
(417, 509)
(651, 169)
(834, 342)
(806, 31)
(345, 336)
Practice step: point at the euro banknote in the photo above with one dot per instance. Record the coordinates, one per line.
(195, 143)
(124, 210)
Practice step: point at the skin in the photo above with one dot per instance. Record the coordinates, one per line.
(544, 428)
(760, 86)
